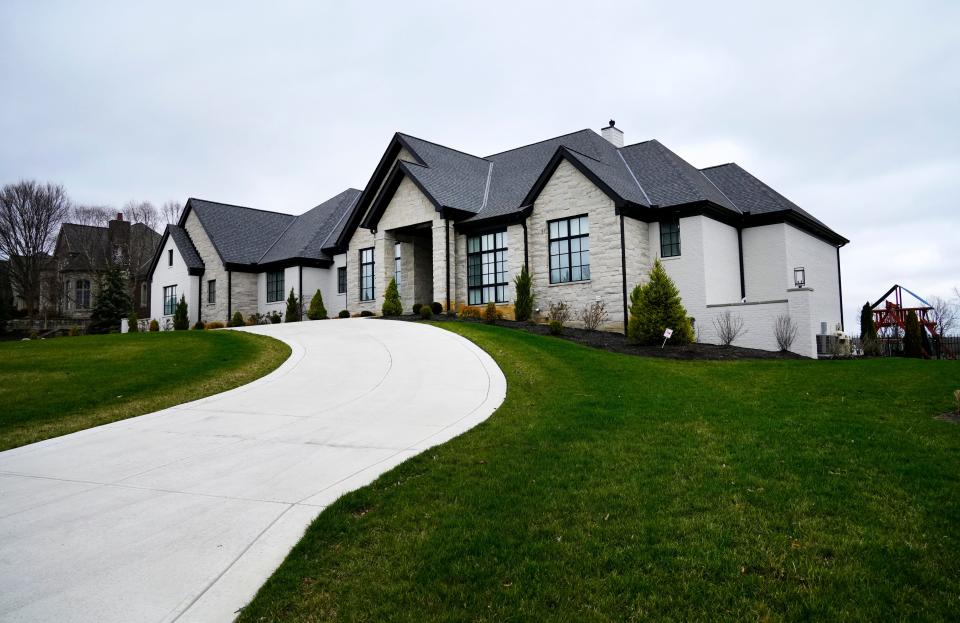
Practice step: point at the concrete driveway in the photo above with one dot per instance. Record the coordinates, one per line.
(180, 515)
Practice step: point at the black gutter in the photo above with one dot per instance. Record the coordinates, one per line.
(743, 287)
(623, 269)
(300, 289)
(199, 295)
(526, 257)
(229, 295)
(840, 289)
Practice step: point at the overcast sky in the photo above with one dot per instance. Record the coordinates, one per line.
(851, 112)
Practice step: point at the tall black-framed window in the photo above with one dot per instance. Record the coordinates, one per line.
(569, 249)
(169, 257)
(670, 238)
(366, 274)
(487, 268)
(274, 286)
(212, 292)
(342, 280)
(82, 294)
(397, 266)
(169, 300)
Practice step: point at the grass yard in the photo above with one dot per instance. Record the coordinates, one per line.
(615, 488)
(54, 387)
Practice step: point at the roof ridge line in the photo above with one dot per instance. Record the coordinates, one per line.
(274, 243)
(717, 166)
(506, 151)
(459, 151)
(234, 205)
(732, 202)
(342, 216)
(486, 189)
(630, 171)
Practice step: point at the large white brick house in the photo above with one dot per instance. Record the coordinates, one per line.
(587, 214)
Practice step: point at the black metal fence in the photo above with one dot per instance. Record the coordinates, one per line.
(947, 347)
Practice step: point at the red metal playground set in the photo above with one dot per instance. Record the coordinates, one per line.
(889, 317)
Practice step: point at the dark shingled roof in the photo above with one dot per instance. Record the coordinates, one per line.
(87, 247)
(307, 234)
(191, 258)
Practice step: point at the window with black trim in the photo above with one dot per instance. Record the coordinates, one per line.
(342, 280)
(170, 257)
(366, 274)
(212, 292)
(274, 286)
(487, 268)
(670, 238)
(569, 249)
(169, 300)
(82, 294)
(396, 263)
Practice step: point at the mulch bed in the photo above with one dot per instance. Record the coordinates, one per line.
(617, 342)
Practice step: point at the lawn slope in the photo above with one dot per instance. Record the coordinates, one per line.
(53, 387)
(610, 488)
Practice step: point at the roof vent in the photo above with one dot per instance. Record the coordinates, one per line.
(613, 134)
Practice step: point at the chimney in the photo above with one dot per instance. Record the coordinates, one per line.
(118, 233)
(613, 134)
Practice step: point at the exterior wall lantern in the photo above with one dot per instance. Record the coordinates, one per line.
(799, 276)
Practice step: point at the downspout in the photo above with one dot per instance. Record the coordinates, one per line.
(199, 295)
(743, 287)
(229, 295)
(526, 258)
(446, 233)
(840, 289)
(300, 288)
(623, 271)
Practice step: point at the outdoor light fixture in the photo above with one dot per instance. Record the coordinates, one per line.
(799, 276)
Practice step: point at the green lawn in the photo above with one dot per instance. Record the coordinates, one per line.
(612, 488)
(53, 387)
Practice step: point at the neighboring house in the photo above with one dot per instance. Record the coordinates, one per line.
(82, 255)
(224, 258)
(587, 214)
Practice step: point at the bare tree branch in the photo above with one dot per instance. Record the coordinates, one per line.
(95, 216)
(171, 211)
(944, 315)
(30, 215)
(142, 212)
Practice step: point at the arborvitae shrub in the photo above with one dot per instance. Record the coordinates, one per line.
(391, 300)
(490, 313)
(523, 304)
(317, 311)
(656, 306)
(132, 323)
(180, 320)
(293, 308)
(912, 337)
(236, 320)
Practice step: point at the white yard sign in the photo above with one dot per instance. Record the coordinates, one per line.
(666, 336)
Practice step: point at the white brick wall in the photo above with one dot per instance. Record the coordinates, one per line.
(177, 275)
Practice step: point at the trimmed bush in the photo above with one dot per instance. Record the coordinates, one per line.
(523, 305)
(74, 331)
(490, 313)
(416, 308)
(236, 320)
(215, 325)
(912, 336)
(426, 312)
(199, 326)
(293, 308)
(180, 320)
(275, 317)
(344, 313)
(655, 307)
(470, 313)
(317, 311)
(133, 323)
(366, 313)
(555, 327)
(436, 308)
(391, 300)
(154, 326)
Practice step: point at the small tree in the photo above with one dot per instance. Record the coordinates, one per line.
(236, 320)
(785, 331)
(729, 327)
(293, 308)
(181, 321)
(594, 315)
(912, 336)
(391, 300)
(523, 304)
(490, 313)
(317, 311)
(112, 303)
(655, 307)
(132, 323)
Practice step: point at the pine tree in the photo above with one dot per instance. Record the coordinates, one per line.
(655, 307)
(523, 304)
(868, 330)
(391, 300)
(181, 321)
(293, 308)
(317, 311)
(912, 338)
(112, 303)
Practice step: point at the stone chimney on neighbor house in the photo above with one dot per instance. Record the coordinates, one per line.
(613, 134)
(118, 233)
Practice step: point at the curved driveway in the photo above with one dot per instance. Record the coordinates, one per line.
(182, 514)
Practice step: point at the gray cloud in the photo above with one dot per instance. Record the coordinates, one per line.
(848, 110)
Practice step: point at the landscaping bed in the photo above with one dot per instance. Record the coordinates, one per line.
(617, 342)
